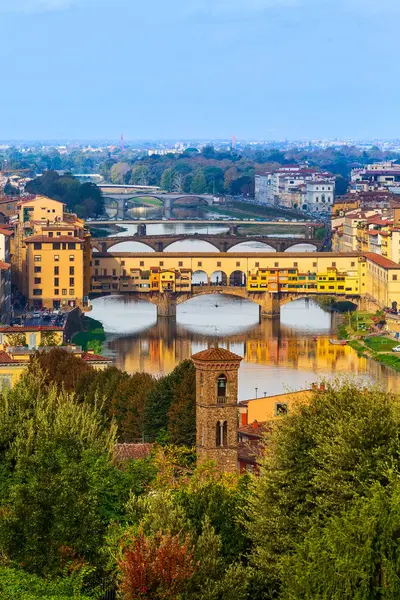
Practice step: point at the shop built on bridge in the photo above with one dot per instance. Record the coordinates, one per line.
(267, 279)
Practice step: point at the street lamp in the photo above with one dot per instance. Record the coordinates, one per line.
(256, 392)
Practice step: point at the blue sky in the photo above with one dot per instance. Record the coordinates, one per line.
(264, 69)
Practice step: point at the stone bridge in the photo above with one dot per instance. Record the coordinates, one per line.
(269, 303)
(120, 200)
(222, 243)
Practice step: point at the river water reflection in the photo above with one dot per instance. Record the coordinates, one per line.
(282, 355)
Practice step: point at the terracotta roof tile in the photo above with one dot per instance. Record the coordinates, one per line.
(5, 358)
(52, 240)
(216, 354)
(135, 451)
(89, 357)
(25, 328)
(381, 260)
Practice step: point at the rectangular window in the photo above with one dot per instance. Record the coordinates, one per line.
(56, 281)
(71, 258)
(72, 270)
(96, 262)
(37, 280)
(314, 264)
(37, 246)
(295, 264)
(58, 233)
(394, 277)
(238, 264)
(257, 264)
(72, 292)
(72, 281)
(199, 264)
(281, 408)
(114, 272)
(56, 292)
(161, 263)
(56, 257)
(71, 246)
(353, 264)
(276, 264)
(37, 292)
(51, 234)
(37, 258)
(56, 246)
(38, 269)
(56, 270)
(180, 264)
(64, 292)
(122, 263)
(141, 263)
(333, 264)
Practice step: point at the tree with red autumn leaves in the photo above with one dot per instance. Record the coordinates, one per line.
(156, 567)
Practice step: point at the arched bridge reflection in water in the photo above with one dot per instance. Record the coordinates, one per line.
(278, 356)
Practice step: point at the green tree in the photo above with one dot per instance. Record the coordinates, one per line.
(165, 392)
(10, 190)
(322, 458)
(16, 339)
(140, 175)
(199, 184)
(59, 486)
(167, 180)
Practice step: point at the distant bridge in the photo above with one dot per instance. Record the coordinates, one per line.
(120, 199)
(223, 243)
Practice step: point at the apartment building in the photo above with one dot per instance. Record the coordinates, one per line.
(296, 187)
(52, 255)
(377, 176)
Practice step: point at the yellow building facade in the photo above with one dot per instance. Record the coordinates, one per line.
(52, 255)
(352, 274)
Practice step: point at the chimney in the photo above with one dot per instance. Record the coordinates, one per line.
(322, 387)
(314, 386)
(90, 351)
(254, 424)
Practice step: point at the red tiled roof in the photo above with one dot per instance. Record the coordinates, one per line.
(381, 260)
(255, 430)
(25, 328)
(216, 354)
(51, 240)
(5, 358)
(135, 451)
(89, 357)
(5, 231)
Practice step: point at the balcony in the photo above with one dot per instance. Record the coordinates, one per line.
(222, 400)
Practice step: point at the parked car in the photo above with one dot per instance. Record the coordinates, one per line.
(36, 314)
(396, 349)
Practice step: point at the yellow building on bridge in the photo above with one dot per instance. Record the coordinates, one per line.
(344, 274)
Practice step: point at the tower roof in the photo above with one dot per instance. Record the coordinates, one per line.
(217, 355)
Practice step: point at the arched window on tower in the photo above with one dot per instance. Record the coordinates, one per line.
(225, 434)
(218, 434)
(221, 434)
(221, 386)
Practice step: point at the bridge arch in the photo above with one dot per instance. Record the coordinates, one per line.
(199, 277)
(302, 247)
(219, 278)
(126, 246)
(169, 247)
(237, 278)
(257, 245)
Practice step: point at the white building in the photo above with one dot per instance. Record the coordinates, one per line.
(320, 195)
(296, 187)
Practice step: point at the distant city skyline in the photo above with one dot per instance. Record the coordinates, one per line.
(199, 69)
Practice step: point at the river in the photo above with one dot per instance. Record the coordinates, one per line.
(279, 355)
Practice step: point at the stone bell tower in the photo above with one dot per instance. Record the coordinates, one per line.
(216, 407)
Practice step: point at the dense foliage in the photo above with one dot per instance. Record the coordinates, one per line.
(213, 171)
(143, 408)
(321, 521)
(86, 199)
